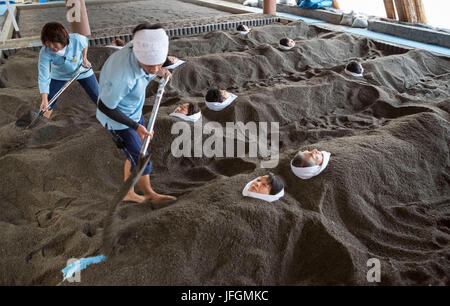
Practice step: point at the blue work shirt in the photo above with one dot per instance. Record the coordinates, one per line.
(62, 68)
(122, 85)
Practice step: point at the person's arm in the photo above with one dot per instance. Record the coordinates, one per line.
(117, 115)
(44, 77)
(86, 63)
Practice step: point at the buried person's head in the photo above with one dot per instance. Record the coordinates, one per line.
(307, 164)
(243, 29)
(117, 43)
(354, 68)
(267, 187)
(187, 112)
(150, 46)
(55, 37)
(218, 99)
(170, 60)
(287, 43)
(216, 95)
(187, 109)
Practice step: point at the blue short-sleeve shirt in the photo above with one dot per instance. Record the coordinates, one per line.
(62, 68)
(122, 85)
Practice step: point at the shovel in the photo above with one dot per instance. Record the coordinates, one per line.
(32, 119)
(109, 234)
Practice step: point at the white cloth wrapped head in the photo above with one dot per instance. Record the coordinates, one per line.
(151, 46)
(244, 32)
(191, 118)
(175, 65)
(283, 47)
(309, 172)
(355, 74)
(218, 106)
(265, 197)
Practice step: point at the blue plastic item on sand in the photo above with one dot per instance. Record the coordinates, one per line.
(81, 264)
(314, 4)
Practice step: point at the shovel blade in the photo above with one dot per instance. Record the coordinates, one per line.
(30, 120)
(111, 230)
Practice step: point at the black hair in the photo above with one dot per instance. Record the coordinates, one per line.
(276, 184)
(192, 109)
(300, 161)
(119, 42)
(241, 27)
(284, 42)
(147, 26)
(214, 95)
(54, 32)
(167, 63)
(354, 67)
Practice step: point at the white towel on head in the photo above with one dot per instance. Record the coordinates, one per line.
(218, 106)
(191, 118)
(151, 46)
(173, 66)
(244, 32)
(309, 172)
(114, 47)
(357, 75)
(266, 197)
(286, 47)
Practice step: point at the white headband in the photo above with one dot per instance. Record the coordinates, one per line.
(266, 197)
(175, 65)
(286, 47)
(244, 32)
(358, 75)
(218, 106)
(191, 118)
(151, 46)
(309, 172)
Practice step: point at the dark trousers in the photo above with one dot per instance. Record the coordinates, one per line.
(90, 85)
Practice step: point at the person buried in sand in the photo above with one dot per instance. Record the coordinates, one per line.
(217, 99)
(242, 29)
(355, 69)
(59, 59)
(267, 187)
(172, 62)
(116, 44)
(187, 112)
(123, 82)
(287, 43)
(217, 95)
(307, 164)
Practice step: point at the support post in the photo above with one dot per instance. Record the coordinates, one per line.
(270, 7)
(390, 9)
(401, 13)
(410, 11)
(420, 11)
(80, 25)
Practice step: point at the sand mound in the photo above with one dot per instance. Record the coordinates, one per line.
(385, 193)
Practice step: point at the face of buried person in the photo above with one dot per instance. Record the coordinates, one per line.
(314, 155)
(224, 94)
(183, 109)
(261, 185)
(291, 43)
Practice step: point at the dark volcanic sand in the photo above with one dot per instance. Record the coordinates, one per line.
(116, 14)
(385, 193)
